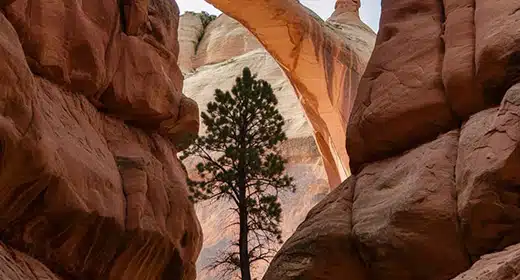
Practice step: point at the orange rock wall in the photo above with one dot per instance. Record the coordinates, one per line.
(433, 140)
(91, 111)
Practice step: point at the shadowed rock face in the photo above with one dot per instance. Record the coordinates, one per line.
(321, 64)
(433, 144)
(91, 110)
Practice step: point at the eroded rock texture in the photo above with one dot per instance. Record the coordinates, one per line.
(90, 112)
(503, 265)
(488, 175)
(404, 214)
(16, 265)
(433, 145)
(323, 65)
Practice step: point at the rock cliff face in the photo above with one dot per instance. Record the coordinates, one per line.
(433, 140)
(90, 111)
(323, 64)
(214, 61)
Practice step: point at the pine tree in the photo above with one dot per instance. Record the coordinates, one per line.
(241, 163)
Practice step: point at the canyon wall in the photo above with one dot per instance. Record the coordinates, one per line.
(91, 109)
(433, 140)
(212, 57)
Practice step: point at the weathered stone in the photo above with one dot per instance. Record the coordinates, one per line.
(322, 246)
(400, 102)
(135, 16)
(74, 182)
(458, 70)
(83, 48)
(497, 46)
(504, 265)
(224, 38)
(15, 265)
(145, 88)
(405, 216)
(190, 34)
(184, 128)
(70, 196)
(72, 43)
(487, 177)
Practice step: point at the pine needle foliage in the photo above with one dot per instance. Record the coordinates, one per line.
(240, 162)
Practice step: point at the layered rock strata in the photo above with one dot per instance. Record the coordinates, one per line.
(90, 111)
(433, 145)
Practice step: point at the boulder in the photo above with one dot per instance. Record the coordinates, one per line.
(487, 177)
(405, 215)
(504, 265)
(85, 49)
(72, 43)
(15, 265)
(497, 51)
(322, 246)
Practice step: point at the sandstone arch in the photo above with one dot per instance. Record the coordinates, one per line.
(323, 64)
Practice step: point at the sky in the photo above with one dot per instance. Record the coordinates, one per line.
(369, 13)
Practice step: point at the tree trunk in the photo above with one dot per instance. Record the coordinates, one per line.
(243, 244)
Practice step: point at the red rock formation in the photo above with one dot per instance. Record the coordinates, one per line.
(322, 66)
(84, 192)
(503, 265)
(433, 142)
(16, 265)
(404, 214)
(322, 246)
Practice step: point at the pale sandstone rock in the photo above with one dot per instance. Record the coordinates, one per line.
(497, 51)
(201, 84)
(190, 34)
(322, 247)
(400, 102)
(487, 176)
(224, 38)
(458, 68)
(405, 215)
(355, 33)
(323, 69)
(504, 265)
(15, 265)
